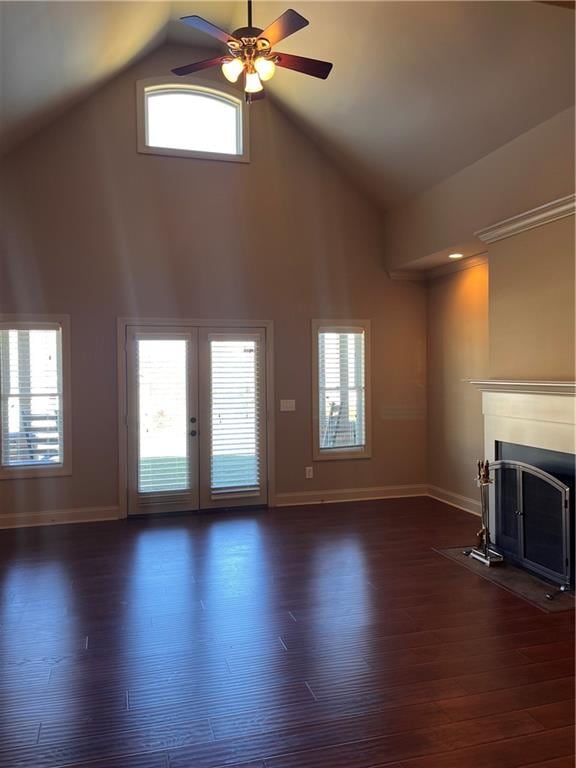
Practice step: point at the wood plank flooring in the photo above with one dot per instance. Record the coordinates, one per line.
(311, 637)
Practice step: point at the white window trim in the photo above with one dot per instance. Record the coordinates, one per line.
(336, 454)
(45, 322)
(191, 84)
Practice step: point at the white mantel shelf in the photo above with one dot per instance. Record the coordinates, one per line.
(525, 387)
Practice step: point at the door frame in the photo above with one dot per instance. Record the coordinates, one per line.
(122, 372)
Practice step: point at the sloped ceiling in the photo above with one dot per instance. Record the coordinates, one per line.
(419, 89)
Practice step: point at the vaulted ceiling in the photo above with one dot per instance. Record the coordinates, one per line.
(419, 89)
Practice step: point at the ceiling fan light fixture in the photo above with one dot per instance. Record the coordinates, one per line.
(253, 83)
(232, 69)
(251, 51)
(265, 68)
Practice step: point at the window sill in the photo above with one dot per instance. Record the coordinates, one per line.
(29, 472)
(344, 454)
(147, 149)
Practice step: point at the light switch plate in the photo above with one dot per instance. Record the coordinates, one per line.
(287, 405)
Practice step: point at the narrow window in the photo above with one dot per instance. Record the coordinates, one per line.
(341, 413)
(190, 120)
(33, 419)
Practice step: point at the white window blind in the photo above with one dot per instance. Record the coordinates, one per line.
(235, 415)
(341, 395)
(31, 393)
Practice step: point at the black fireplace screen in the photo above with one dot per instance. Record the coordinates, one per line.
(532, 520)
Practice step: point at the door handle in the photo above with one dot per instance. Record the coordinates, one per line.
(193, 433)
(193, 420)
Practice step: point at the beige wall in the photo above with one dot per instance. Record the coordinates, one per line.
(457, 350)
(532, 304)
(514, 319)
(531, 170)
(93, 229)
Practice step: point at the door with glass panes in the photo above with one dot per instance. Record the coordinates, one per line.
(196, 418)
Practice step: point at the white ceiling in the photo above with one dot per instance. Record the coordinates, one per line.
(419, 89)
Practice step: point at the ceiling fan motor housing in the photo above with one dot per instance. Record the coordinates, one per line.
(248, 45)
(246, 32)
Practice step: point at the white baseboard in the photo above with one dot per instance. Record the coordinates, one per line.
(386, 492)
(455, 500)
(296, 499)
(60, 517)
(334, 496)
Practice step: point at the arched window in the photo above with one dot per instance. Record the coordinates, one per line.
(191, 120)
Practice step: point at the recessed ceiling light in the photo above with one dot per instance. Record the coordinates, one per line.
(456, 256)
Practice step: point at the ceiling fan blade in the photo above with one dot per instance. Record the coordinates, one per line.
(285, 25)
(312, 67)
(197, 66)
(207, 27)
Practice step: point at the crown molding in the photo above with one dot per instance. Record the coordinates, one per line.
(536, 217)
(457, 265)
(525, 387)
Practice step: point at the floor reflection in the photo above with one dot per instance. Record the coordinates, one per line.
(162, 607)
(38, 630)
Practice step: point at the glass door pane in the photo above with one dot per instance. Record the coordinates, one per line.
(162, 410)
(233, 448)
(163, 455)
(234, 416)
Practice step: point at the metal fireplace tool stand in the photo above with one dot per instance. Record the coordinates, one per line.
(483, 551)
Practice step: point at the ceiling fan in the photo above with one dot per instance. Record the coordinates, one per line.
(250, 52)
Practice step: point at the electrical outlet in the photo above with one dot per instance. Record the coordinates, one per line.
(308, 473)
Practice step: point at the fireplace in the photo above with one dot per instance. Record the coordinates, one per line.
(534, 510)
(529, 438)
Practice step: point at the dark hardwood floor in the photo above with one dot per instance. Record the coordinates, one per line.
(312, 637)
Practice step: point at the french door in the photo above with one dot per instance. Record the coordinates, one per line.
(196, 418)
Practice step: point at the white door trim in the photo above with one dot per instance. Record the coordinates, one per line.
(122, 362)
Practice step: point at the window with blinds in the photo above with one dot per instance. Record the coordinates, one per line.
(341, 405)
(235, 415)
(31, 393)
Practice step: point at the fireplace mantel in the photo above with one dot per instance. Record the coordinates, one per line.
(526, 387)
(538, 414)
(541, 414)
